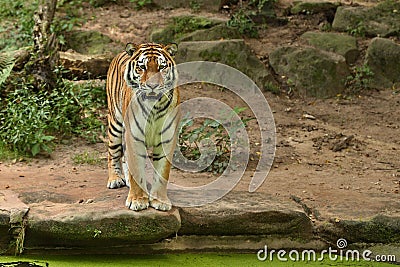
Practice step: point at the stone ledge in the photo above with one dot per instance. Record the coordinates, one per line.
(194, 243)
(243, 213)
(12, 222)
(96, 224)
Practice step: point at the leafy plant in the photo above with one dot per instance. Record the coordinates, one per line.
(31, 121)
(194, 139)
(260, 3)
(358, 31)
(16, 23)
(91, 158)
(360, 79)
(195, 5)
(245, 25)
(141, 3)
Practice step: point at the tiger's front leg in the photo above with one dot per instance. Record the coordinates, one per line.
(162, 158)
(158, 194)
(138, 197)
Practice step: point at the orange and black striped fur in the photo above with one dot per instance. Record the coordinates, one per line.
(142, 113)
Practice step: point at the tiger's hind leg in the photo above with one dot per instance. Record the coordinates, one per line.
(116, 177)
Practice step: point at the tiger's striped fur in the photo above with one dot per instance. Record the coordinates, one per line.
(142, 99)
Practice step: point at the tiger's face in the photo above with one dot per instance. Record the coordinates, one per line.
(151, 69)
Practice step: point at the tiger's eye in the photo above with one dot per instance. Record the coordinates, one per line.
(140, 67)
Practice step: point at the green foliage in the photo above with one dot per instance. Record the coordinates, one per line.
(31, 122)
(358, 31)
(186, 24)
(91, 158)
(272, 87)
(260, 3)
(16, 23)
(360, 79)
(141, 3)
(245, 25)
(194, 139)
(195, 5)
(72, 16)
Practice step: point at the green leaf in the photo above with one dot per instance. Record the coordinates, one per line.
(35, 149)
(48, 138)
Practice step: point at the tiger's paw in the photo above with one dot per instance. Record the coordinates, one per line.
(116, 183)
(137, 204)
(163, 205)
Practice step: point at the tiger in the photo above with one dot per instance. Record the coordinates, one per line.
(143, 113)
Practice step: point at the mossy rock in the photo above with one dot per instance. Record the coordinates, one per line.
(383, 59)
(87, 42)
(208, 5)
(180, 27)
(313, 72)
(219, 32)
(234, 53)
(341, 44)
(379, 229)
(98, 224)
(382, 20)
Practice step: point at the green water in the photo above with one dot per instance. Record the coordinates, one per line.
(197, 260)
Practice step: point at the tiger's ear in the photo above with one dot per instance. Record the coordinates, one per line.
(171, 48)
(130, 48)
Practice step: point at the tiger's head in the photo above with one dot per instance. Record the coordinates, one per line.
(151, 70)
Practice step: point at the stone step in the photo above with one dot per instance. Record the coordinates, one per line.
(239, 221)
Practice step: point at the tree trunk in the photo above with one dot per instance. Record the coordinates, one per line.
(45, 47)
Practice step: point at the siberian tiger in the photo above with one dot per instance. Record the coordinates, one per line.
(142, 113)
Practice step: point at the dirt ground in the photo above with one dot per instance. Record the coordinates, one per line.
(340, 156)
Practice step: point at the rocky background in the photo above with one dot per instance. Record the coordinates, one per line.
(349, 47)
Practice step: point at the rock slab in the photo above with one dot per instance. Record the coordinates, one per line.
(12, 222)
(234, 53)
(244, 213)
(382, 58)
(96, 224)
(341, 44)
(381, 20)
(314, 72)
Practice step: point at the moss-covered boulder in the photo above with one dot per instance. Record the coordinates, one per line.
(234, 53)
(341, 44)
(309, 8)
(218, 32)
(313, 72)
(88, 42)
(208, 5)
(382, 20)
(183, 28)
(383, 59)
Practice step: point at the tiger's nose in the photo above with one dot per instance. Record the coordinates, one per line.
(152, 85)
(153, 82)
